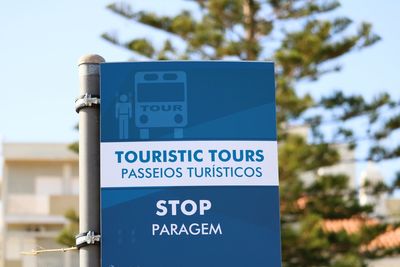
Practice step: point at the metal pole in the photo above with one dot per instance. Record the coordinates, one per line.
(89, 156)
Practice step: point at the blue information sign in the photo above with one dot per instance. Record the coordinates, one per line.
(189, 170)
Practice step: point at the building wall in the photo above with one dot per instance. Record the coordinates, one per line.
(393, 208)
(386, 262)
(22, 175)
(41, 188)
(36, 194)
(346, 166)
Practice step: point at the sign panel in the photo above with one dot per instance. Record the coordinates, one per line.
(189, 171)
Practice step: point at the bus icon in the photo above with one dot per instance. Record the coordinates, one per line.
(160, 102)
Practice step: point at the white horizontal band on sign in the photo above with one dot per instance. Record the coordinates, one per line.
(189, 163)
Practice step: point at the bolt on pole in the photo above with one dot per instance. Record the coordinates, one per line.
(87, 105)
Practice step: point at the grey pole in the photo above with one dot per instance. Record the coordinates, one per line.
(89, 156)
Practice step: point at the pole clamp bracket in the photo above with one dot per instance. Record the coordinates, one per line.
(86, 100)
(87, 239)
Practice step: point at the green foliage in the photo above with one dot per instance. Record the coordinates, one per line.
(67, 235)
(308, 243)
(74, 147)
(286, 9)
(306, 45)
(331, 197)
(348, 260)
(141, 46)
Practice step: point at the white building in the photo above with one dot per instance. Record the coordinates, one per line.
(384, 206)
(40, 183)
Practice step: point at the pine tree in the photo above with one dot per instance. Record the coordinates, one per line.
(305, 40)
(67, 235)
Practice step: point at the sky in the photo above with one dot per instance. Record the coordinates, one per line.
(42, 40)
